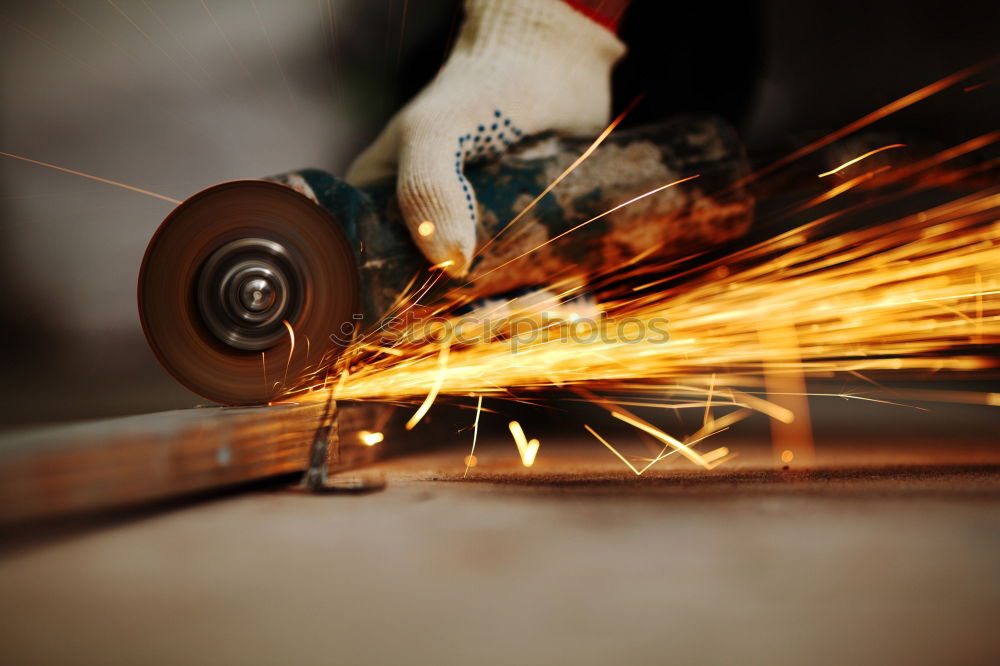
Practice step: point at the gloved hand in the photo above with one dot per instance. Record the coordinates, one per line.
(517, 68)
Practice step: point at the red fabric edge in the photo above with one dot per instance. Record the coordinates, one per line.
(595, 14)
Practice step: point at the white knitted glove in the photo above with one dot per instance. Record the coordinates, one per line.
(518, 67)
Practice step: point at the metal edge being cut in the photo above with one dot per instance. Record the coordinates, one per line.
(321, 267)
(97, 466)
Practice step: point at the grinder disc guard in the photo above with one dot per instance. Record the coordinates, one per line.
(223, 274)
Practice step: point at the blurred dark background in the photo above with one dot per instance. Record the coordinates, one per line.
(174, 96)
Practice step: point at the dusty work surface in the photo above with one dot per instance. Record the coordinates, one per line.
(572, 561)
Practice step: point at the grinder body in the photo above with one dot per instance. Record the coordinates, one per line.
(249, 287)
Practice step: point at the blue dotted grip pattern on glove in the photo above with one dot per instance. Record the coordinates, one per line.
(476, 147)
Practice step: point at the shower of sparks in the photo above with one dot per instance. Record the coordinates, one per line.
(861, 157)
(914, 295)
(900, 296)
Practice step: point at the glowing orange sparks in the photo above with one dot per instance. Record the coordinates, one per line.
(527, 449)
(638, 472)
(438, 381)
(263, 363)
(908, 295)
(291, 350)
(876, 115)
(370, 438)
(680, 446)
(861, 157)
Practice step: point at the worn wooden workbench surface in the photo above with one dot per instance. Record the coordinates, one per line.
(886, 555)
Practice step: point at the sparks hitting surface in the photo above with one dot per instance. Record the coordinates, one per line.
(917, 293)
(914, 294)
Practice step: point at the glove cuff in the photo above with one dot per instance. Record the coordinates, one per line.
(535, 31)
(604, 12)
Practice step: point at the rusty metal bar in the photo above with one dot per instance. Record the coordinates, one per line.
(92, 466)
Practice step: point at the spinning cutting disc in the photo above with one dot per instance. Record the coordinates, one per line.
(224, 273)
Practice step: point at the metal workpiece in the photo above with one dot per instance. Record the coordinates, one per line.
(249, 288)
(107, 465)
(711, 209)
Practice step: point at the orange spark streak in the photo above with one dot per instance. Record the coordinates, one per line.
(977, 86)
(402, 299)
(780, 344)
(708, 402)
(87, 175)
(429, 400)
(586, 222)
(370, 438)
(475, 435)
(384, 350)
(979, 307)
(715, 455)
(681, 447)
(834, 192)
(874, 116)
(719, 424)
(638, 472)
(963, 148)
(291, 350)
(861, 157)
(263, 363)
(597, 142)
(527, 449)
(342, 381)
(612, 449)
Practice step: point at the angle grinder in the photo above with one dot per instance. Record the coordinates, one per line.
(247, 286)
